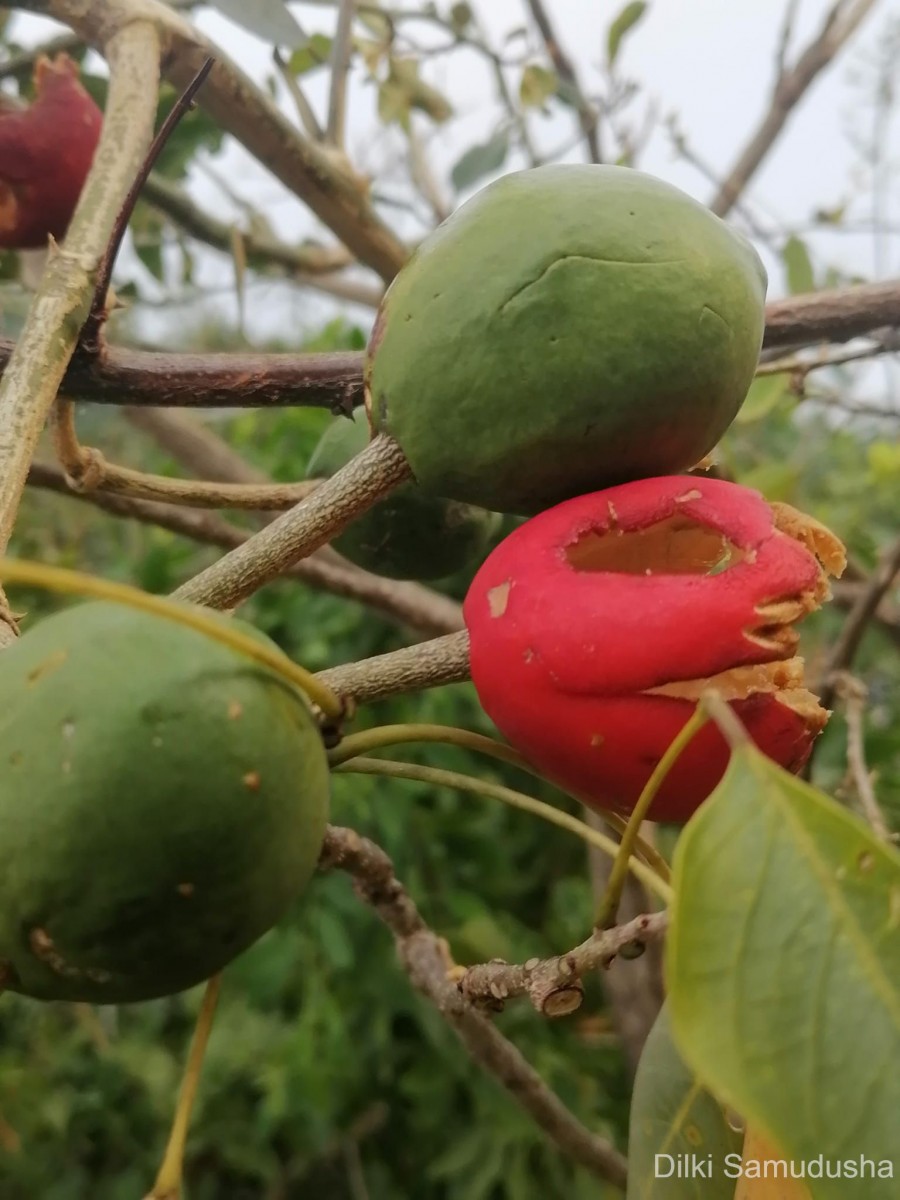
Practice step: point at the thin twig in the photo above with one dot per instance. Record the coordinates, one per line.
(587, 114)
(411, 605)
(305, 110)
(791, 85)
(800, 367)
(342, 48)
(854, 694)
(549, 983)
(91, 331)
(844, 649)
(429, 664)
(426, 960)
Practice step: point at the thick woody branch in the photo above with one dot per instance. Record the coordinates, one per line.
(841, 22)
(335, 380)
(835, 316)
(38, 363)
(321, 179)
(409, 604)
(426, 960)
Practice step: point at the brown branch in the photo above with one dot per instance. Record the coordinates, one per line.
(320, 267)
(886, 616)
(854, 694)
(429, 664)
(319, 178)
(587, 115)
(841, 22)
(834, 316)
(194, 445)
(409, 604)
(335, 380)
(425, 959)
(146, 378)
(844, 650)
(552, 984)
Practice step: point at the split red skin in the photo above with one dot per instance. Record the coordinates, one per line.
(46, 151)
(562, 657)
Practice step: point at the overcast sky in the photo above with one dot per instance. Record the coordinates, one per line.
(708, 61)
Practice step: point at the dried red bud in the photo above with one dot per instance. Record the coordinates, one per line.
(46, 151)
(596, 625)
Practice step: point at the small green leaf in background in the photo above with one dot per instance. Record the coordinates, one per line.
(315, 52)
(798, 266)
(784, 969)
(765, 394)
(479, 161)
(270, 20)
(537, 85)
(621, 26)
(672, 1114)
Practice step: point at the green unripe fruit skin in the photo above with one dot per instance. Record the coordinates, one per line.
(409, 534)
(163, 801)
(567, 329)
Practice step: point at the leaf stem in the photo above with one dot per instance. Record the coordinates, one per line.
(609, 905)
(59, 579)
(383, 736)
(495, 791)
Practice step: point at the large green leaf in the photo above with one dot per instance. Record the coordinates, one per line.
(784, 970)
(673, 1115)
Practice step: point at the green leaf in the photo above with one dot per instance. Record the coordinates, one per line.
(671, 1115)
(798, 265)
(537, 85)
(784, 968)
(315, 52)
(621, 26)
(480, 160)
(764, 396)
(270, 20)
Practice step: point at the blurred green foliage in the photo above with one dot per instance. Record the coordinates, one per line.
(325, 1067)
(324, 1062)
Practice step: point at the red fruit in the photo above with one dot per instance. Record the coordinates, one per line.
(46, 151)
(595, 626)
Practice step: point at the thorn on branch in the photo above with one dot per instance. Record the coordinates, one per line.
(90, 338)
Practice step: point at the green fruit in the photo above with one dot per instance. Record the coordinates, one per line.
(569, 328)
(408, 535)
(163, 800)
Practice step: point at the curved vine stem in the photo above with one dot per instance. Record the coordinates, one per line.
(609, 905)
(383, 736)
(495, 791)
(59, 579)
(168, 1181)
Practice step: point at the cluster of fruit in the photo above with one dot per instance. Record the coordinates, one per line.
(164, 799)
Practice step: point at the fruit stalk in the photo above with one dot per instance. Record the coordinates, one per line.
(374, 472)
(42, 353)
(168, 1181)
